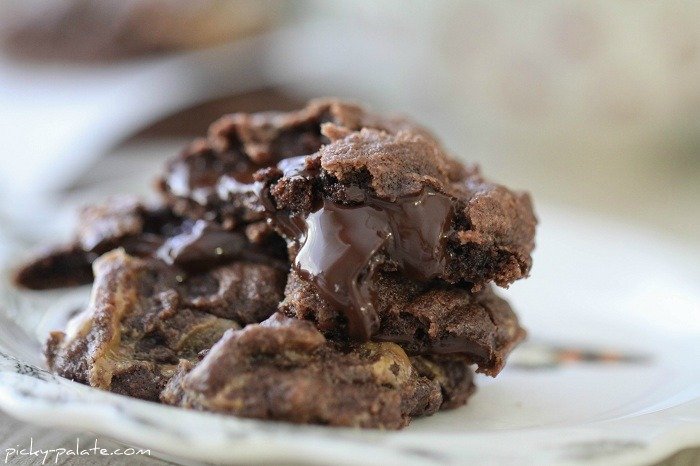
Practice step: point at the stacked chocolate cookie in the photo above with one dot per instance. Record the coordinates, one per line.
(322, 266)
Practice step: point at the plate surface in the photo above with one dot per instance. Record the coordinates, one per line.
(596, 287)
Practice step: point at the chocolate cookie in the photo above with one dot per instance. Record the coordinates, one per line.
(324, 266)
(284, 369)
(372, 201)
(112, 30)
(423, 318)
(144, 317)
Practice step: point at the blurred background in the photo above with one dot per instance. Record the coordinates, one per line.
(593, 106)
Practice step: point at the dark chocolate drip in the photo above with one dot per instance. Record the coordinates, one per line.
(340, 245)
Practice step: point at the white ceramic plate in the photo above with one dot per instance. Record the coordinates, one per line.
(595, 285)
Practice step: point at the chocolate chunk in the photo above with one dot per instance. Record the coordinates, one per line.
(144, 317)
(423, 318)
(284, 369)
(214, 179)
(203, 244)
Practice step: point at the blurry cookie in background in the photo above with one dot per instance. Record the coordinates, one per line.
(194, 120)
(107, 30)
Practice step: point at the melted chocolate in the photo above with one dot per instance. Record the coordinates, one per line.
(203, 244)
(294, 166)
(340, 247)
(198, 177)
(292, 226)
(232, 185)
(183, 182)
